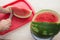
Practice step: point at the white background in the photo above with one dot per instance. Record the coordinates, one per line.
(23, 33)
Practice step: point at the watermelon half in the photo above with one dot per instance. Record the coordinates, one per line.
(45, 23)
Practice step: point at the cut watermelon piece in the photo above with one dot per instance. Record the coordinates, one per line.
(21, 13)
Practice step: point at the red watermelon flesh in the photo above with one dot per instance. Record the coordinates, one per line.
(20, 11)
(46, 17)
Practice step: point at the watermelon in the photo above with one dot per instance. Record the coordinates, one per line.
(45, 24)
(21, 12)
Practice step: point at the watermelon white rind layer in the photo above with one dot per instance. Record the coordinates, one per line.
(47, 10)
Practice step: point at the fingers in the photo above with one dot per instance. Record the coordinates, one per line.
(4, 10)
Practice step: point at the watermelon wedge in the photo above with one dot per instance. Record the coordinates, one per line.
(21, 13)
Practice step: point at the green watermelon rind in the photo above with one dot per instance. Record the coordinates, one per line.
(51, 32)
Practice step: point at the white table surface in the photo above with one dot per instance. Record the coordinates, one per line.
(23, 33)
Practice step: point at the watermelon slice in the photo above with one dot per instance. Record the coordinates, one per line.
(21, 13)
(45, 24)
